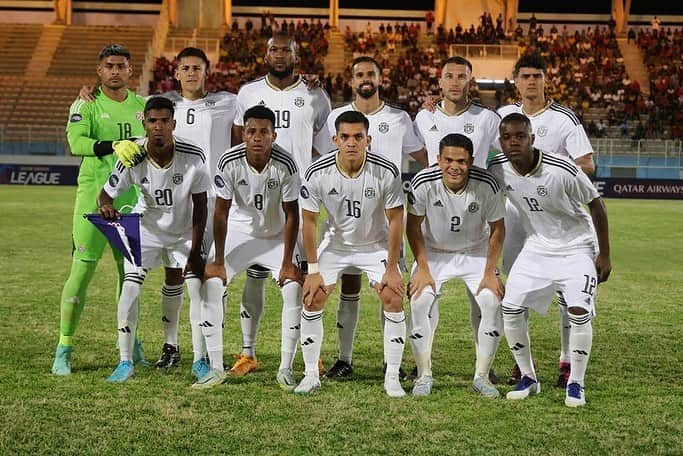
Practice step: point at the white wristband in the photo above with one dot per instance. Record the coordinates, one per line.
(313, 268)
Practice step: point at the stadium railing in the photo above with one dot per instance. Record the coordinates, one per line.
(645, 158)
(502, 51)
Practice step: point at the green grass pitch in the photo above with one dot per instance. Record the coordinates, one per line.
(634, 382)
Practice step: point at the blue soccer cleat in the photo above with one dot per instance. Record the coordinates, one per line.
(200, 368)
(575, 396)
(139, 355)
(123, 372)
(62, 363)
(526, 387)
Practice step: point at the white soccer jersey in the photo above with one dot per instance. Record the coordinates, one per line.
(206, 122)
(556, 128)
(257, 197)
(456, 222)
(165, 193)
(475, 121)
(550, 200)
(300, 116)
(355, 207)
(392, 132)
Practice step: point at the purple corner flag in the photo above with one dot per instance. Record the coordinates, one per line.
(123, 234)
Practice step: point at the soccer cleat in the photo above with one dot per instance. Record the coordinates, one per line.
(170, 356)
(493, 378)
(340, 370)
(213, 378)
(412, 375)
(139, 354)
(423, 386)
(526, 387)
(485, 387)
(200, 368)
(563, 374)
(515, 375)
(62, 363)
(123, 372)
(308, 385)
(285, 378)
(393, 387)
(575, 396)
(243, 366)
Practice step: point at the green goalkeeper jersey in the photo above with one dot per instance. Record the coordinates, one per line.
(91, 123)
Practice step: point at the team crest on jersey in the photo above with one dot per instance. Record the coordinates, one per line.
(113, 180)
(272, 184)
(218, 180)
(304, 192)
(383, 127)
(298, 102)
(468, 128)
(542, 131)
(76, 117)
(177, 178)
(139, 115)
(369, 192)
(541, 190)
(473, 207)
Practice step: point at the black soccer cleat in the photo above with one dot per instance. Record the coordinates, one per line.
(170, 356)
(340, 370)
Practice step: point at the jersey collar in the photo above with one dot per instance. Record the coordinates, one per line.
(153, 162)
(289, 87)
(547, 105)
(343, 173)
(441, 108)
(459, 192)
(536, 167)
(381, 106)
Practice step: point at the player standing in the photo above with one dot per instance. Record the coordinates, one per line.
(361, 192)
(173, 181)
(260, 181)
(206, 119)
(559, 255)
(451, 211)
(556, 130)
(93, 128)
(393, 138)
(300, 115)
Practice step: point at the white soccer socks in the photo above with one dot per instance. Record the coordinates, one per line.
(171, 302)
(489, 331)
(194, 286)
(394, 340)
(565, 330)
(347, 322)
(212, 320)
(421, 331)
(580, 343)
(291, 323)
(311, 340)
(517, 335)
(251, 309)
(127, 313)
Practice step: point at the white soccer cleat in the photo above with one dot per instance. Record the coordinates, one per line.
(575, 396)
(308, 385)
(526, 387)
(393, 387)
(285, 378)
(423, 386)
(484, 387)
(215, 377)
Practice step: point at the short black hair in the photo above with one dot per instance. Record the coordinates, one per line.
(457, 60)
(159, 103)
(281, 34)
(365, 59)
(534, 60)
(193, 52)
(457, 140)
(516, 117)
(352, 117)
(259, 112)
(114, 49)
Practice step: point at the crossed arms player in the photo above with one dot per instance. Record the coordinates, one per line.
(363, 197)
(451, 210)
(560, 253)
(173, 182)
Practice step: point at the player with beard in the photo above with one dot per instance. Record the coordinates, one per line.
(300, 116)
(393, 137)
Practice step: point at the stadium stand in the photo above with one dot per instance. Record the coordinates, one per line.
(17, 42)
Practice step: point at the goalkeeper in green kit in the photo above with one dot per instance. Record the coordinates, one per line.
(93, 131)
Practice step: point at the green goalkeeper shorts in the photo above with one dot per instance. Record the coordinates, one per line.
(88, 241)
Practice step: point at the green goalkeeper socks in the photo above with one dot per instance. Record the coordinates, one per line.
(73, 298)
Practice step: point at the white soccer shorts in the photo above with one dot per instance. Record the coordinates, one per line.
(535, 278)
(333, 263)
(515, 236)
(160, 249)
(444, 266)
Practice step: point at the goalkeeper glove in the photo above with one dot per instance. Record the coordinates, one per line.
(128, 153)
